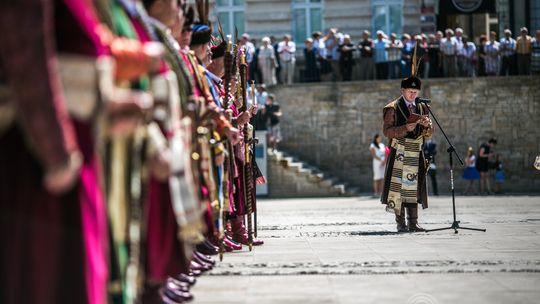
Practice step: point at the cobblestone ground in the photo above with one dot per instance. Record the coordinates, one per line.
(345, 250)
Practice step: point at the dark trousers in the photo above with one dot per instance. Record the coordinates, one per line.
(524, 64)
(346, 71)
(433, 176)
(508, 65)
(382, 70)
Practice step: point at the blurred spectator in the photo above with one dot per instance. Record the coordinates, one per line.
(286, 50)
(434, 55)
(459, 43)
(381, 57)
(273, 113)
(466, 58)
(482, 56)
(250, 49)
(378, 153)
(254, 71)
(323, 63)
(422, 56)
(449, 51)
(394, 56)
(274, 43)
(346, 61)
(366, 63)
(406, 55)
(499, 174)
(485, 152)
(332, 43)
(259, 120)
(267, 62)
(507, 51)
(492, 55)
(317, 43)
(471, 173)
(459, 36)
(261, 94)
(430, 150)
(535, 54)
(424, 64)
(523, 50)
(311, 72)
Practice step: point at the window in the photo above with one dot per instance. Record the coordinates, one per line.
(231, 14)
(535, 16)
(307, 18)
(387, 16)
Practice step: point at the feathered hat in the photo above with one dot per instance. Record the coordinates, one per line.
(219, 44)
(202, 28)
(189, 17)
(413, 82)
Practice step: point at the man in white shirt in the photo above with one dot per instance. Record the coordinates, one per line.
(250, 55)
(250, 48)
(508, 54)
(286, 50)
(448, 49)
(466, 56)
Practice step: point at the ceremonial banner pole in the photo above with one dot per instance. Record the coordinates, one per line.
(248, 172)
(254, 142)
(228, 168)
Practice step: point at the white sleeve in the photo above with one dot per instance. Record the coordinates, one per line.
(292, 47)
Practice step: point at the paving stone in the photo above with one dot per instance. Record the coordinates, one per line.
(346, 251)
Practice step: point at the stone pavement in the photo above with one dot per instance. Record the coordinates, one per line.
(344, 250)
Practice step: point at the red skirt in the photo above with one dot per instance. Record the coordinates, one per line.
(42, 259)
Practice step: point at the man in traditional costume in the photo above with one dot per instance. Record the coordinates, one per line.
(406, 124)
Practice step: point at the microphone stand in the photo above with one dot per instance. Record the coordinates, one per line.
(451, 150)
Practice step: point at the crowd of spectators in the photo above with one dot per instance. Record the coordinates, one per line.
(452, 54)
(335, 57)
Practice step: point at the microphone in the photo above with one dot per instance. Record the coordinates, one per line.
(423, 100)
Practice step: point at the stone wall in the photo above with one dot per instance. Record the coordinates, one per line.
(332, 124)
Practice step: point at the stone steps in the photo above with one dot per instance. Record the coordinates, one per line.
(329, 185)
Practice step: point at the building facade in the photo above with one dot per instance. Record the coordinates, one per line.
(300, 18)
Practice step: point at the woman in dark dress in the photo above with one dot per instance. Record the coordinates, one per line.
(311, 72)
(433, 55)
(346, 60)
(481, 55)
(482, 164)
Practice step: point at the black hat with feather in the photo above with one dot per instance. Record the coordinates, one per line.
(413, 82)
(189, 17)
(219, 45)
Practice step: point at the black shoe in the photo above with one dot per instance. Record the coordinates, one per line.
(207, 248)
(414, 227)
(401, 228)
(174, 296)
(191, 280)
(205, 258)
(178, 285)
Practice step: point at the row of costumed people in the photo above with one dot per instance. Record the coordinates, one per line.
(126, 150)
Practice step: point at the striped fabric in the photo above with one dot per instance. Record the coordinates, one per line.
(404, 180)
